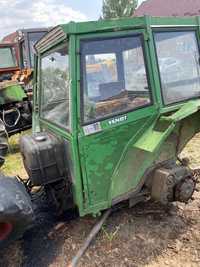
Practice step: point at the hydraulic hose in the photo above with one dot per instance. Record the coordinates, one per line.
(16, 121)
(3, 142)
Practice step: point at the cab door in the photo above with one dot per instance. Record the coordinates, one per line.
(117, 104)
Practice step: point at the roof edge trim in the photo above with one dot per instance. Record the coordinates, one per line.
(55, 36)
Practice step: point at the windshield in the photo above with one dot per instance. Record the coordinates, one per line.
(7, 59)
(114, 78)
(33, 37)
(178, 59)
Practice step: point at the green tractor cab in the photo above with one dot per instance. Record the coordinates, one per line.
(115, 103)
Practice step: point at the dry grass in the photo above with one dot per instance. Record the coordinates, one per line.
(192, 151)
(14, 165)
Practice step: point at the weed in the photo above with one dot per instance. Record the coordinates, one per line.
(110, 236)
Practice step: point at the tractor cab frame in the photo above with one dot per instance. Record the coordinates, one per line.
(122, 97)
(16, 75)
(25, 40)
(9, 59)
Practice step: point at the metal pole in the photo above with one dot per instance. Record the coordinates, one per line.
(89, 239)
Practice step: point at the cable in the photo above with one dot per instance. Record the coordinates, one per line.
(16, 121)
(4, 138)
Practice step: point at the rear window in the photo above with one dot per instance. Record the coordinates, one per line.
(178, 60)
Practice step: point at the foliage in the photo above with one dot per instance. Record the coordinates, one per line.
(110, 235)
(118, 8)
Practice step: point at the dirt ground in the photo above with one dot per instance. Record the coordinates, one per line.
(147, 235)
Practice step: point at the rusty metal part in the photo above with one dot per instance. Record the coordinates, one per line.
(185, 189)
(140, 197)
(174, 184)
(162, 186)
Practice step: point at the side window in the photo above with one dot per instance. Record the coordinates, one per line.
(114, 77)
(178, 60)
(7, 57)
(55, 87)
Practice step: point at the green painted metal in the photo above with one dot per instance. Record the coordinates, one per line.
(111, 164)
(11, 93)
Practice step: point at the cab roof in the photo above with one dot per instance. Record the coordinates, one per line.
(62, 31)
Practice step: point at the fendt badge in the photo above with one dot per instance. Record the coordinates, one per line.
(118, 120)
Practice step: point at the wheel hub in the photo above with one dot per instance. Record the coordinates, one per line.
(5, 230)
(185, 189)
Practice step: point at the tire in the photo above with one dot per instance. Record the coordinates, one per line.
(16, 211)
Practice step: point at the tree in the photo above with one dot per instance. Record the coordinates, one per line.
(118, 8)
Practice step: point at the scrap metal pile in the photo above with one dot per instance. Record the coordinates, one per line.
(16, 87)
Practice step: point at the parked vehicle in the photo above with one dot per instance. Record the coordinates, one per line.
(15, 110)
(15, 99)
(26, 39)
(92, 151)
(16, 90)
